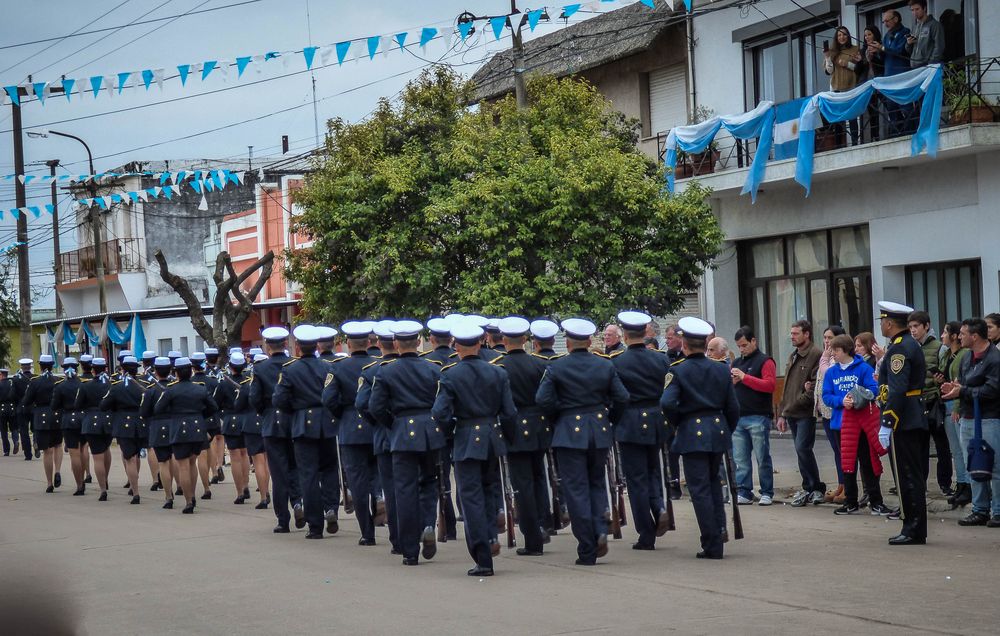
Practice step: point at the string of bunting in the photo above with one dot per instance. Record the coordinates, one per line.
(114, 83)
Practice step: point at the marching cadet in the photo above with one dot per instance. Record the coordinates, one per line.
(440, 338)
(37, 406)
(543, 339)
(64, 397)
(209, 461)
(20, 381)
(7, 421)
(218, 443)
(525, 455)
(580, 387)
(904, 426)
(251, 426)
(146, 368)
(402, 395)
(231, 417)
(699, 399)
(188, 404)
(212, 367)
(122, 401)
(473, 395)
(148, 376)
(299, 392)
(276, 431)
(86, 375)
(96, 427)
(640, 429)
(158, 426)
(326, 344)
(494, 336)
(356, 442)
(380, 436)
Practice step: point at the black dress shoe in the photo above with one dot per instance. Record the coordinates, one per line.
(429, 543)
(300, 516)
(583, 562)
(314, 535)
(261, 506)
(642, 546)
(332, 525)
(410, 561)
(88, 480)
(79, 492)
(902, 539)
(281, 529)
(706, 555)
(602, 546)
(57, 480)
(154, 487)
(178, 492)
(188, 509)
(662, 524)
(50, 489)
(364, 541)
(214, 480)
(104, 496)
(246, 494)
(394, 551)
(527, 552)
(480, 571)
(207, 495)
(130, 493)
(135, 500)
(974, 519)
(220, 475)
(239, 500)
(127, 484)
(169, 504)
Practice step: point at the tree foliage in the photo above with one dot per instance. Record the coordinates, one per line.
(8, 305)
(551, 210)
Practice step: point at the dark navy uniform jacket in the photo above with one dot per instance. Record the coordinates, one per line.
(225, 399)
(700, 400)
(212, 384)
(158, 426)
(95, 421)
(901, 378)
(265, 378)
(402, 395)
(440, 354)
(188, 404)
(581, 387)
(340, 391)
(37, 402)
(642, 371)
(300, 392)
(250, 420)
(532, 427)
(6, 397)
(475, 397)
(122, 400)
(380, 435)
(64, 395)
(20, 381)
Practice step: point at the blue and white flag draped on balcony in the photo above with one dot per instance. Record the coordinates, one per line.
(113, 333)
(86, 332)
(904, 88)
(695, 138)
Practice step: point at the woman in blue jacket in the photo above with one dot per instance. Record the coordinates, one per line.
(858, 425)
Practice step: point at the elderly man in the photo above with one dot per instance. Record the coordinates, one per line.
(613, 339)
(718, 349)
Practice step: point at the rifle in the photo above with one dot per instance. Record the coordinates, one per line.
(614, 522)
(737, 522)
(348, 499)
(667, 478)
(619, 484)
(508, 502)
(442, 535)
(558, 523)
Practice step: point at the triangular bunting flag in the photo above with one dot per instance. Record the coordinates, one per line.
(184, 70)
(342, 48)
(241, 177)
(426, 35)
(179, 177)
(27, 178)
(116, 198)
(164, 177)
(241, 65)
(41, 91)
(158, 77)
(122, 78)
(233, 177)
(35, 211)
(109, 81)
(196, 185)
(147, 78)
(134, 196)
(157, 190)
(95, 84)
(204, 203)
(176, 189)
(400, 40)
(498, 24)
(67, 85)
(103, 202)
(533, 17)
(217, 179)
(144, 195)
(464, 28)
(50, 208)
(309, 53)
(649, 3)
(168, 192)
(151, 192)
(208, 185)
(207, 67)
(15, 213)
(373, 42)
(569, 10)
(14, 95)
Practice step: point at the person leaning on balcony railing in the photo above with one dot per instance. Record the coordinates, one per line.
(925, 44)
(897, 60)
(843, 63)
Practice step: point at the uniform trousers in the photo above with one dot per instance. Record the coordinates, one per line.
(7, 424)
(525, 477)
(284, 476)
(641, 465)
(24, 430)
(429, 493)
(319, 477)
(410, 470)
(942, 447)
(360, 466)
(583, 478)
(450, 521)
(387, 478)
(475, 479)
(911, 449)
(701, 471)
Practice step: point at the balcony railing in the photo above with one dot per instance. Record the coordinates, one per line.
(120, 255)
(971, 90)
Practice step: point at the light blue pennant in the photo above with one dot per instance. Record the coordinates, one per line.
(122, 78)
(426, 35)
(116, 198)
(14, 212)
(50, 208)
(308, 54)
(13, 94)
(241, 65)
(95, 84)
(35, 211)
(464, 28)
(168, 192)
(184, 70)
(207, 67)
(40, 91)
(533, 17)
(28, 178)
(147, 78)
(342, 48)
(134, 196)
(498, 24)
(649, 3)
(400, 39)
(570, 9)
(67, 85)
(373, 43)
(196, 185)
(151, 192)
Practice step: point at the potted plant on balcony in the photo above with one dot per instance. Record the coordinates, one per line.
(969, 108)
(698, 163)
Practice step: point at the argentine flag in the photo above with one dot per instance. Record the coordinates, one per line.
(786, 128)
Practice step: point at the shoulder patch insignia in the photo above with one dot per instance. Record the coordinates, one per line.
(668, 379)
(361, 382)
(329, 379)
(897, 340)
(896, 362)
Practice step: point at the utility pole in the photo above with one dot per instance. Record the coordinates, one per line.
(57, 260)
(517, 49)
(23, 275)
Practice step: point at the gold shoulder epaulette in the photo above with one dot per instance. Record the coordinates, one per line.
(114, 382)
(424, 353)
(290, 361)
(372, 364)
(497, 360)
(676, 362)
(897, 340)
(454, 354)
(616, 353)
(603, 355)
(82, 380)
(334, 360)
(432, 361)
(448, 366)
(201, 383)
(389, 361)
(173, 383)
(60, 380)
(246, 380)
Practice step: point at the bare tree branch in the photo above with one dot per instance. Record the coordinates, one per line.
(184, 290)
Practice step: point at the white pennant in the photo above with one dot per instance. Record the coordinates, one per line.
(384, 43)
(240, 176)
(324, 54)
(204, 203)
(176, 189)
(143, 195)
(158, 77)
(109, 81)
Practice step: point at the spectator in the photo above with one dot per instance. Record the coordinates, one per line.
(754, 375)
(858, 423)
(949, 362)
(718, 349)
(674, 353)
(674, 342)
(897, 60)
(993, 328)
(651, 343)
(613, 339)
(843, 63)
(873, 66)
(925, 44)
(796, 410)
(919, 323)
(825, 414)
(864, 346)
(979, 378)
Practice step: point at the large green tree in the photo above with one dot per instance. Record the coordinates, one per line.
(430, 206)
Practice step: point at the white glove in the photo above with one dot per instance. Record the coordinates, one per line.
(884, 435)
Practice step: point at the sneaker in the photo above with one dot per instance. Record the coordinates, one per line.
(895, 514)
(881, 510)
(975, 519)
(765, 500)
(744, 501)
(994, 522)
(817, 497)
(800, 499)
(847, 510)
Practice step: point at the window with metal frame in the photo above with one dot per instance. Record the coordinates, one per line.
(946, 291)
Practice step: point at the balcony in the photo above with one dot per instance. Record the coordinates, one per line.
(120, 256)
(879, 137)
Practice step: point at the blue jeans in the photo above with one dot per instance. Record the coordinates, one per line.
(985, 494)
(955, 445)
(753, 434)
(804, 432)
(833, 436)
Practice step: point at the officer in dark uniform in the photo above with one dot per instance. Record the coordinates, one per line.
(64, 397)
(402, 395)
(475, 398)
(904, 423)
(146, 372)
(326, 343)
(299, 391)
(37, 406)
(543, 340)
(96, 428)
(494, 336)
(252, 425)
(440, 338)
(231, 416)
(212, 367)
(640, 429)
(699, 399)
(86, 375)
(380, 436)
(7, 408)
(525, 456)
(122, 401)
(158, 427)
(210, 459)
(581, 387)
(189, 404)
(22, 436)
(276, 431)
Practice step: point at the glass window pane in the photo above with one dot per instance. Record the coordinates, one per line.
(783, 314)
(820, 300)
(816, 79)
(850, 247)
(768, 259)
(850, 303)
(964, 292)
(759, 315)
(933, 294)
(808, 253)
(951, 294)
(919, 298)
(774, 72)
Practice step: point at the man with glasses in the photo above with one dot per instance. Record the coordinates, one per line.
(897, 60)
